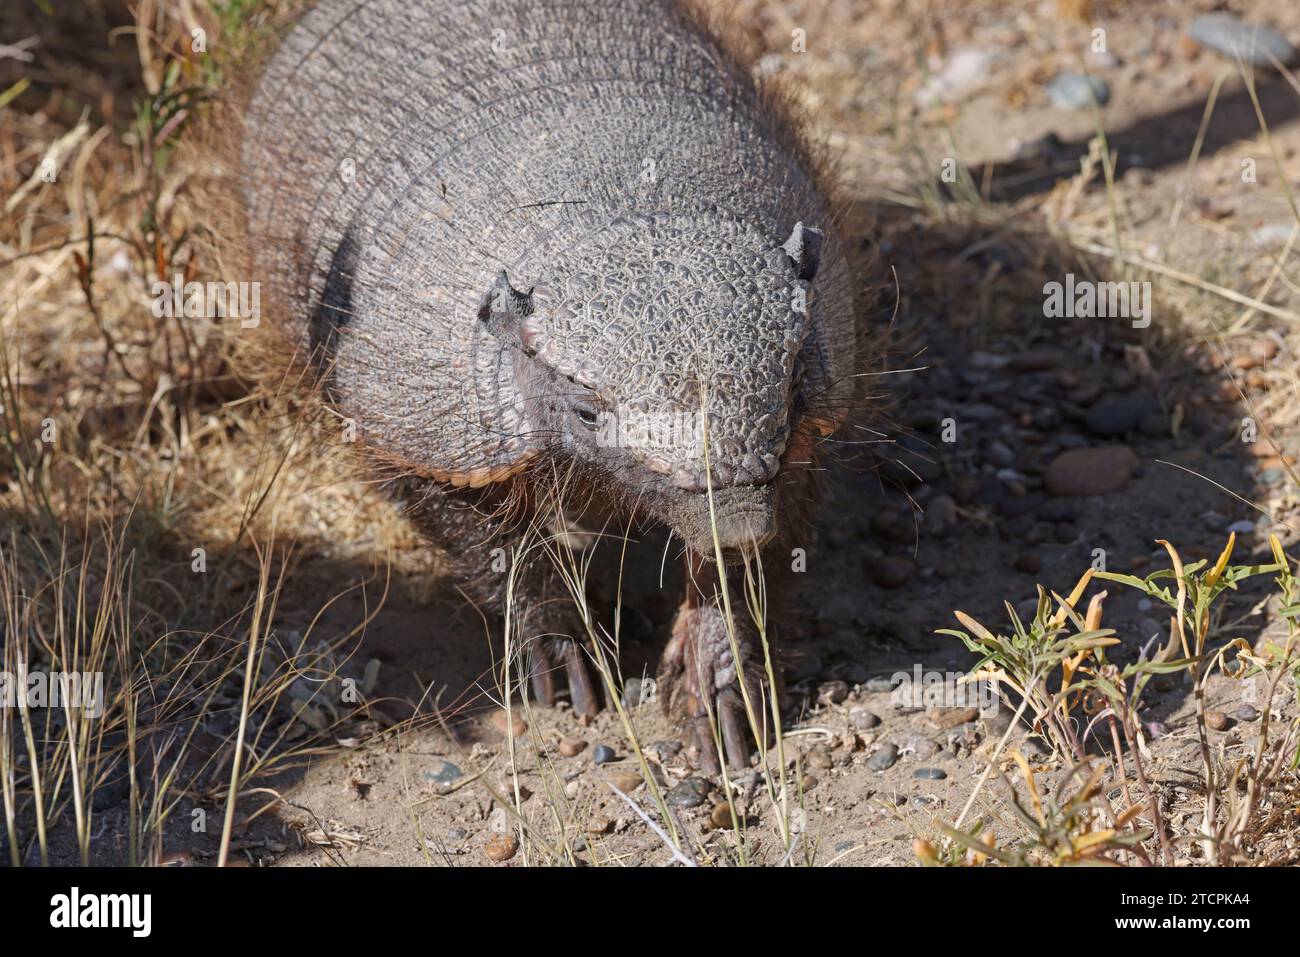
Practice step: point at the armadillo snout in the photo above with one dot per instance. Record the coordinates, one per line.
(742, 520)
(748, 528)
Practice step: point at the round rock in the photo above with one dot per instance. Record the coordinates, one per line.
(884, 759)
(689, 793)
(571, 746)
(1091, 471)
(1075, 91)
(501, 847)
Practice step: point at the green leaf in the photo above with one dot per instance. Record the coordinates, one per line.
(972, 843)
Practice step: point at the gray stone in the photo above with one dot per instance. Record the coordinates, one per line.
(444, 773)
(1075, 91)
(883, 759)
(862, 719)
(1234, 37)
(691, 792)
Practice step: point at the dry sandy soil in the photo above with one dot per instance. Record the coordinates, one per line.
(424, 773)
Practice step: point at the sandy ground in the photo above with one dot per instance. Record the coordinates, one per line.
(969, 525)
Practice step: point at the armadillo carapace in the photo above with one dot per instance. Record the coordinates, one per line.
(544, 247)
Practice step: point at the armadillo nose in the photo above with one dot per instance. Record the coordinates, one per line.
(737, 521)
(742, 529)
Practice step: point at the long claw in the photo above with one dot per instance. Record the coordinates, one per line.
(735, 739)
(705, 750)
(543, 673)
(582, 693)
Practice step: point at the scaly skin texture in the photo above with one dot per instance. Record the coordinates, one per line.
(528, 240)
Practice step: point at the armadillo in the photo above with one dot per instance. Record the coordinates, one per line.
(537, 246)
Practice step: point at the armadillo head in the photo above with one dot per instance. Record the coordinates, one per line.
(665, 354)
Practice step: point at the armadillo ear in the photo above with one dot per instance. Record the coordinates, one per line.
(804, 247)
(503, 308)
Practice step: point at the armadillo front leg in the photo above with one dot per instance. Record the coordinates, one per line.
(492, 564)
(713, 669)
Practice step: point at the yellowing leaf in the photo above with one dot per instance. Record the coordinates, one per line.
(974, 626)
(1222, 563)
(1073, 599)
(1092, 621)
(1086, 841)
(1278, 555)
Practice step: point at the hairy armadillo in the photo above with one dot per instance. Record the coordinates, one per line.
(544, 246)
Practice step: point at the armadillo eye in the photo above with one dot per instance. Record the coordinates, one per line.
(586, 413)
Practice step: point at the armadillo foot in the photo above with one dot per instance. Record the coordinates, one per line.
(703, 685)
(549, 656)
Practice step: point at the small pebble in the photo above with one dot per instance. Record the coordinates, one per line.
(501, 847)
(504, 723)
(689, 793)
(444, 773)
(818, 758)
(922, 746)
(1217, 720)
(930, 774)
(626, 782)
(1246, 713)
(862, 719)
(603, 754)
(571, 746)
(883, 759)
(1090, 471)
(720, 816)
(1075, 91)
